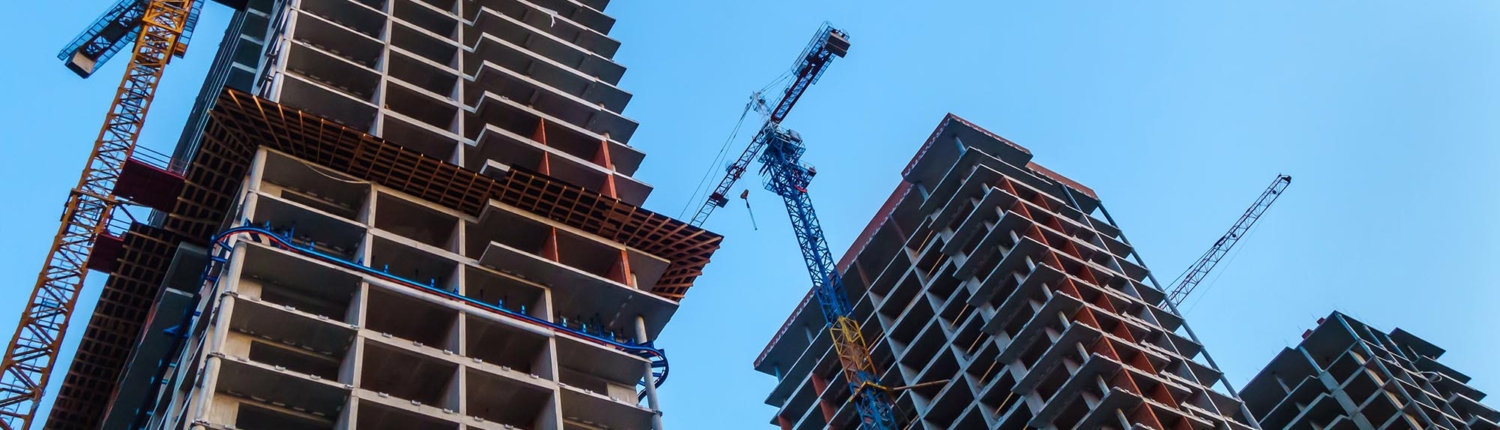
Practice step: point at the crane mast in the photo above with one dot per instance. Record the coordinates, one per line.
(33, 348)
(780, 152)
(788, 177)
(1199, 270)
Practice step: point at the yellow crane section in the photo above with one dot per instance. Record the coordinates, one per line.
(33, 349)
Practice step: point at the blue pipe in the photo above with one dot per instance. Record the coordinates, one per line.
(646, 350)
(656, 356)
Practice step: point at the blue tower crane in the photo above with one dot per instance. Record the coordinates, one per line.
(827, 43)
(788, 177)
(779, 151)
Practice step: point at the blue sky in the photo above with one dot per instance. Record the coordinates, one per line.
(1177, 113)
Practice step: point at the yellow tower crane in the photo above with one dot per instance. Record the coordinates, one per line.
(33, 349)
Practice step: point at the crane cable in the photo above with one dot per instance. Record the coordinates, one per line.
(723, 151)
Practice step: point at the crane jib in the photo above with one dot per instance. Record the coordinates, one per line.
(1199, 269)
(826, 44)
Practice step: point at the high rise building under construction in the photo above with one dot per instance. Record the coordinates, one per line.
(993, 295)
(1346, 375)
(392, 214)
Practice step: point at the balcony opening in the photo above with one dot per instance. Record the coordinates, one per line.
(424, 108)
(950, 404)
(422, 74)
(375, 416)
(277, 337)
(1051, 383)
(415, 221)
(505, 291)
(423, 138)
(412, 319)
(307, 227)
(433, 49)
(983, 369)
(413, 264)
(588, 255)
(335, 69)
(598, 369)
(367, 20)
(908, 325)
(278, 277)
(1033, 351)
(509, 347)
(508, 402)
(294, 360)
(512, 230)
(1074, 413)
(409, 376)
(423, 16)
(900, 298)
(251, 417)
(275, 400)
(943, 283)
(312, 186)
(302, 93)
(887, 276)
(582, 408)
(970, 337)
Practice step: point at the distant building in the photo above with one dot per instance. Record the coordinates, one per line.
(1348, 375)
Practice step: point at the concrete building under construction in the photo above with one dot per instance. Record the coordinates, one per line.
(988, 285)
(1348, 375)
(392, 214)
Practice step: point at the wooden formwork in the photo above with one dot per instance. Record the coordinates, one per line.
(240, 123)
(113, 329)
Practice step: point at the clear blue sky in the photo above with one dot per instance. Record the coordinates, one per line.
(1178, 115)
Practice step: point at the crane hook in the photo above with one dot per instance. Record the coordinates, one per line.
(745, 195)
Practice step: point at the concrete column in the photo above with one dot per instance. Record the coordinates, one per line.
(215, 338)
(257, 169)
(651, 400)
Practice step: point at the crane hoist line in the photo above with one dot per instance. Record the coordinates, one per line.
(33, 348)
(779, 151)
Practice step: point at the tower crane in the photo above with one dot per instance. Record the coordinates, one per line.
(810, 65)
(1195, 273)
(159, 30)
(780, 152)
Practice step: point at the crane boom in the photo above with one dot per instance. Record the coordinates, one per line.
(1206, 263)
(33, 348)
(827, 43)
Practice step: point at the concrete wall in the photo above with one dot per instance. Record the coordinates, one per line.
(526, 83)
(299, 343)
